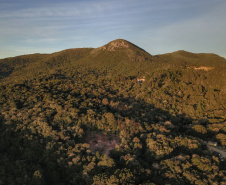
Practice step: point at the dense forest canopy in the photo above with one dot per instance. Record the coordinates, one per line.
(112, 115)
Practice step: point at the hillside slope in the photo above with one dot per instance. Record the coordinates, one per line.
(112, 115)
(194, 83)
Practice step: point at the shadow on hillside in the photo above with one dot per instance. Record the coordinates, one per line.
(5, 71)
(29, 159)
(140, 111)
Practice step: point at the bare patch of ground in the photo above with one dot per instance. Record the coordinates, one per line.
(101, 142)
(119, 43)
(203, 68)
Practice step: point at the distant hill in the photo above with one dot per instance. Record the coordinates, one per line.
(118, 56)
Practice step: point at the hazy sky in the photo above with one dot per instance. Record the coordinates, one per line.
(46, 26)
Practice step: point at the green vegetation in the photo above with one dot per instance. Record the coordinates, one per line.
(52, 106)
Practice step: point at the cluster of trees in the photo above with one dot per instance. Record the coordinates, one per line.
(45, 122)
(51, 104)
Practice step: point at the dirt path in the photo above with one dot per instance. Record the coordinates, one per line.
(223, 153)
(217, 150)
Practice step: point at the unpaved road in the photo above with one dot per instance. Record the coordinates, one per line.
(217, 150)
(223, 153)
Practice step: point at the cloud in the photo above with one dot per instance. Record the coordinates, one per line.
(63, 10)
(48, 21)
(158, 26)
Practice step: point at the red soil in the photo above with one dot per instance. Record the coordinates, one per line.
(101, 142)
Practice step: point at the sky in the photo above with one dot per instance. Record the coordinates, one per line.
(164, 26)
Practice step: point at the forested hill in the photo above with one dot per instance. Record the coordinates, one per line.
(117, 57)
(112, 115)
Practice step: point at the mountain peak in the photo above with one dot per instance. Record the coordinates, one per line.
(118, 43)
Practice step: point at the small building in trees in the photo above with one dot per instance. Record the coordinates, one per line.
(212, 143)
(141, 79)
